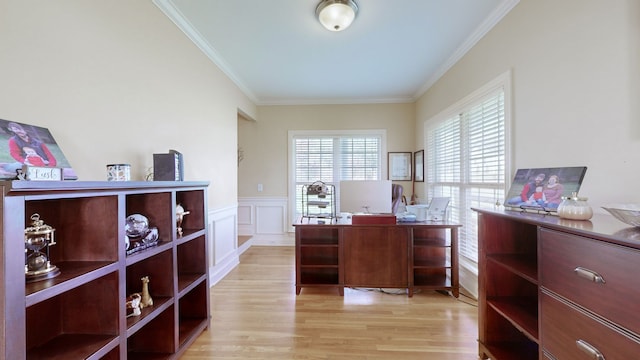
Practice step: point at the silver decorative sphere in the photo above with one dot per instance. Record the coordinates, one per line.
(136, 225)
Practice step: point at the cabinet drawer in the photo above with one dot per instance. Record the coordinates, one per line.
(571, 334)
(599, 276)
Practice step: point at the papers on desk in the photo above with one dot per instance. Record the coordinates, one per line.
(318, 203)
(407, 217)
(435, 211)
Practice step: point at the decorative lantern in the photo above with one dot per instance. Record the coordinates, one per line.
(37, 240)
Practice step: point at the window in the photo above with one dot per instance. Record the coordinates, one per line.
(466, 159)
(331, 157)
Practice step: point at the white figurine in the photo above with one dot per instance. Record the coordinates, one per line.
(133, 303)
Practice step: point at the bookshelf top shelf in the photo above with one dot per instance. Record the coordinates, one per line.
(22, 186)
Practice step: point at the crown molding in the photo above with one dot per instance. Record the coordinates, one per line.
(336, 101)
(172, 12)
(492, 20)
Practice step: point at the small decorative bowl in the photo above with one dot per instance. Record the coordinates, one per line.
(627, 213)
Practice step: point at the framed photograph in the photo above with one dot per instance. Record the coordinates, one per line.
(542, 189)
(418, 166)
(399, 166)
(24, 144)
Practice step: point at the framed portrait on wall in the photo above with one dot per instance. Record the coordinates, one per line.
(418, 166)
(399, 166)
(24, 144)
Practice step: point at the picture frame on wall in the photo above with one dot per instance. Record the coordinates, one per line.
(399, 166)
(23, 144)
(418, 166)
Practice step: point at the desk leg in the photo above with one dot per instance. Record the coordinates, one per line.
(455, 280)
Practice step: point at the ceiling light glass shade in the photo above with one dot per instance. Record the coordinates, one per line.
(336, 15)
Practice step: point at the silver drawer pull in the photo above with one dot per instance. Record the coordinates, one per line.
(589, 349)
(589, 275)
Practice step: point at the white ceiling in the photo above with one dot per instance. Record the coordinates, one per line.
(278, 53)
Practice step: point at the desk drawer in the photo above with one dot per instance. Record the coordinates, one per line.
(569, 265)
(570, 334)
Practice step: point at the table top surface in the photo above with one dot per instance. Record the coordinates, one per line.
(333, 222)
(600, 226)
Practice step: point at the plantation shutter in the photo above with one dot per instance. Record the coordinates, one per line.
(466, 162)
(333, 158)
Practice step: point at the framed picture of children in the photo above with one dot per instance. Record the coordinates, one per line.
(542, 189)
(24, 144)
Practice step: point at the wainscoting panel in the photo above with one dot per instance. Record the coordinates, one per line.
(265, 219)
(245, 214)
(270, 219)
(223, 243)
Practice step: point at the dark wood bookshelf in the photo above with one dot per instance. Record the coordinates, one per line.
(81, 314)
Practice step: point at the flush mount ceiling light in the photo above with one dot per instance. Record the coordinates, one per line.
(336, 15)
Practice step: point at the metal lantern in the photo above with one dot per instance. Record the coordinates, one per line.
(37, 240)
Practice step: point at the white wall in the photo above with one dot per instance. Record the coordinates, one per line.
(116, 81)
(265, 141)
(576, 89)
(266, 152)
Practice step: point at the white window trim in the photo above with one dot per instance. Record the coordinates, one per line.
(292, 134)
(502, 81)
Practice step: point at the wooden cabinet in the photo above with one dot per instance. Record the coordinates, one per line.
(508, 288)
(588, 304)
(434, 255)
(571, 333)
(375, 256)
(81, 313)
(557, 289)
(317, 257)
(410, 256)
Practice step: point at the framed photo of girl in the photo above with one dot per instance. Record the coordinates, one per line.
(24, 144)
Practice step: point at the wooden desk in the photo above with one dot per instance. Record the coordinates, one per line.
(420, 255)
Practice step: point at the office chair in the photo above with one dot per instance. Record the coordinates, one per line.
(397, 197)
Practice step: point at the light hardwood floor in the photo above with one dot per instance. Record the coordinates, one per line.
(257, 315)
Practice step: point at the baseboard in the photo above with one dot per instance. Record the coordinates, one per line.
(245, 245)
(287, 239)
(221, 270)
